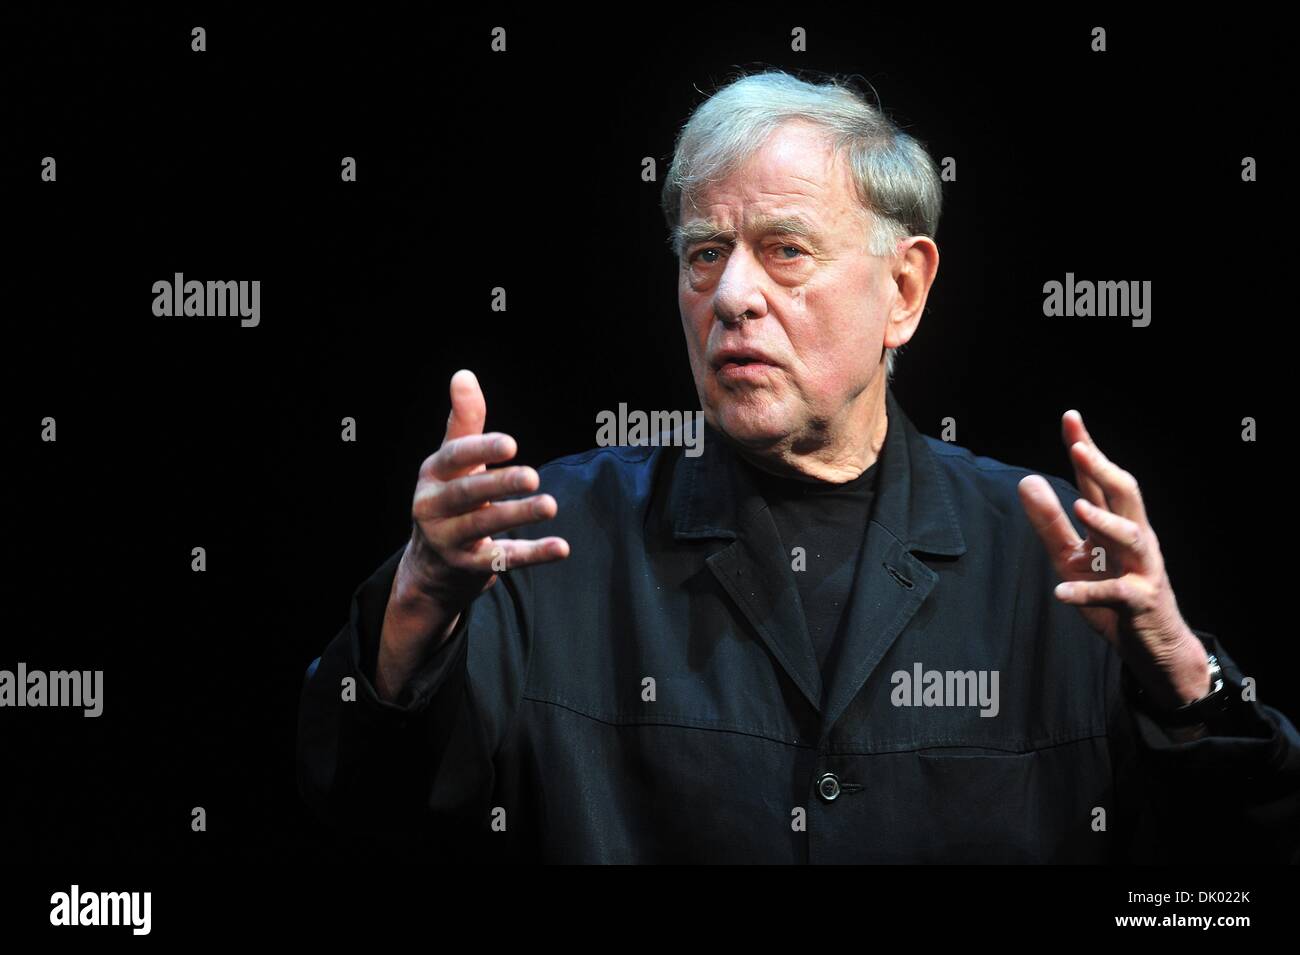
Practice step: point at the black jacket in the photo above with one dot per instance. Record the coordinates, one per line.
(535, 732)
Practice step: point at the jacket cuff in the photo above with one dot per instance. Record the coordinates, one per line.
(1243, 732)
(369, 602)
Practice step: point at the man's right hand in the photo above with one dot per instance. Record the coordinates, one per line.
(451, 557)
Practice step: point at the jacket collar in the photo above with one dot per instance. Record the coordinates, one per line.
(913, 503)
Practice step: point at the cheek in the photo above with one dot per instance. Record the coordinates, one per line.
(697, 314)
(839, 340)
(695, 328)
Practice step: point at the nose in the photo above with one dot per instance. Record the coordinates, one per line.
(739, 293)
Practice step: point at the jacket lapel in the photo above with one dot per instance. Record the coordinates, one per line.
(912, 513)
(713, 496)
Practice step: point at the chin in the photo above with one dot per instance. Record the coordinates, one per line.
(750, 426)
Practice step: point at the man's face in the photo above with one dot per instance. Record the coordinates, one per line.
(817, 301)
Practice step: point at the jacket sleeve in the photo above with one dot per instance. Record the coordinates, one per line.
(417, 770)
(1232, 795)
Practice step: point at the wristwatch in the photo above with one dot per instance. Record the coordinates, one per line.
(1203, 710)
(1199, 711)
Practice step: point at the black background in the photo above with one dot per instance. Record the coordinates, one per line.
(522, 170)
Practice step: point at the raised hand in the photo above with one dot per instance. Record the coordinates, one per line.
(1130, 602)
(452, 556)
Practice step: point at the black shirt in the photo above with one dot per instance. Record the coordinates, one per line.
(829, 522)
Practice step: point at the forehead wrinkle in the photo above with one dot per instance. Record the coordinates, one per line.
(806, 193)
(818, 185)
(766, 223)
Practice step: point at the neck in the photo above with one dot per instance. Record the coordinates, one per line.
(836, 453)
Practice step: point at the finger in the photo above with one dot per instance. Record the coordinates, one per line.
(468, 407)
(1115, 592)
(1080, 565)
(460, 455)
(1072, 430)
(1123, 538)
(464, 494)
(503, 516)
(1049, 520)
(508, 553)
(1122, 495)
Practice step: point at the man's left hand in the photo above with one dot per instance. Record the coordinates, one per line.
(1130, 601)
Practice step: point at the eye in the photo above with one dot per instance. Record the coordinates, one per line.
(696, 256)
(790, 248)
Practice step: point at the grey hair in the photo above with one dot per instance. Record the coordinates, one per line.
(896, 179)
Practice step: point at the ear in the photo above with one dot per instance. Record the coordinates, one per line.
(914, 267)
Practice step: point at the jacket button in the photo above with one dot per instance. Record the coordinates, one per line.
(828, 786)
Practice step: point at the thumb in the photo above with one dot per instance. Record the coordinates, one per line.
(468, 407)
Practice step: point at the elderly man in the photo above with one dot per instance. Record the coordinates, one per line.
(826, 638)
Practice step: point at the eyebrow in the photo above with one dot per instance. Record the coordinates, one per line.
(702, 230)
